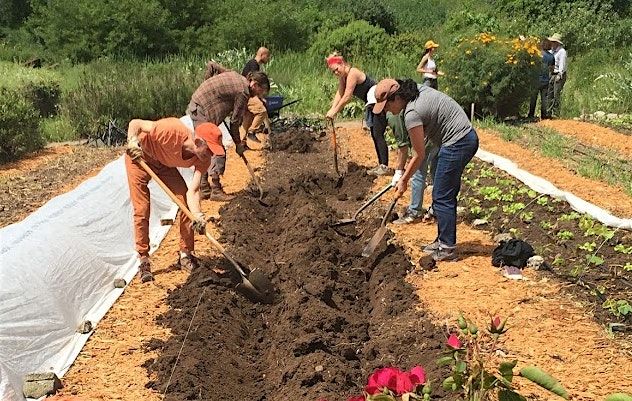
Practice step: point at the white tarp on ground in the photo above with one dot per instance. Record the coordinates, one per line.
(57, 269)
(543, 186)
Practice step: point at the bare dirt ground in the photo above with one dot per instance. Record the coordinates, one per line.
(592, 135)
(27, 184)
(603, 195)
(548, 328)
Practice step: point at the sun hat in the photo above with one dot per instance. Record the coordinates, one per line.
(212, 136)
(431, 45)
(556, 38)
(383, 90)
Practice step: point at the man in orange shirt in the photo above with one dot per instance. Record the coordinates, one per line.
(165, 145)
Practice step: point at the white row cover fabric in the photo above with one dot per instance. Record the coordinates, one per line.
(57, 269)
(543, 186)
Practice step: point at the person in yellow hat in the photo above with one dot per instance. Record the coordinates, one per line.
(428, 67)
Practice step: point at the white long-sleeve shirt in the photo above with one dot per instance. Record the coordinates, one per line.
(560, 61)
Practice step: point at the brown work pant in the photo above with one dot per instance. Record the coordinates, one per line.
(139, 194)
(256, 115)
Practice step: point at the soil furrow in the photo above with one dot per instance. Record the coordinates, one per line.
(338, 315)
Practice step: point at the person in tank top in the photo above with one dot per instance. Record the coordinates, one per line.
(354, 82)
(428, 67)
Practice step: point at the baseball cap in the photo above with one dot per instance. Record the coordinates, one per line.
(383, 90)
(430, 45)
(212, 136)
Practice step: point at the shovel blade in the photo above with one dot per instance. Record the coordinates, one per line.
(374, 242)
(262, 284)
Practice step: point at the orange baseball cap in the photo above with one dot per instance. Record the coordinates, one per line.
(212, 136)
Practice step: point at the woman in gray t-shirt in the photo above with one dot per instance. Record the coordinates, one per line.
(430, 113)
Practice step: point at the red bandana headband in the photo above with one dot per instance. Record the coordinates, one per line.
(333, 60)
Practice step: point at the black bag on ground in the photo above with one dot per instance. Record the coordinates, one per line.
(514, 252)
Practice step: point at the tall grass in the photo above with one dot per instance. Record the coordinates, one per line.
(122, 90)
(599, 80)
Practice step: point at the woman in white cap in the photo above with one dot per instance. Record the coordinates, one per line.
(428, 67)
(430, 113)
(558, 79)
(354, 82)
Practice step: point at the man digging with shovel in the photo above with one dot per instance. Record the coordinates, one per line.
(222, 95)
(165, 145)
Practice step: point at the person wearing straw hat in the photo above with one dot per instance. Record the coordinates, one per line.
(433, 114)
(428, 67)
(166, 144)
(558, 79)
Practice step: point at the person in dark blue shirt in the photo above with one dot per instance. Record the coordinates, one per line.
(548, 63)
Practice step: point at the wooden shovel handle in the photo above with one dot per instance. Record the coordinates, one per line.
(181, 205)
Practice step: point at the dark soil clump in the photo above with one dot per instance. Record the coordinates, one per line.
(337, 317)
(294, 140)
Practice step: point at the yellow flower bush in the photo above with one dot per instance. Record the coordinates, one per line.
(496, 73)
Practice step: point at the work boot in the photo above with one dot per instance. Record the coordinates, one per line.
(408, 217)
(187, 262)
(144, 272)
(432, 247)
(444, 254)
(253, 137)
(220, 196)
(379, 170)
(205, 187)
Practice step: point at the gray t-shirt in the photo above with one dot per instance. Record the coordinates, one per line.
(444, 121)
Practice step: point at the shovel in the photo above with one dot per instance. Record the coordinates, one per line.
(253, 176)
(379, 234)
(334, 143)
(352, 220)
(250, 170)
(255, 285)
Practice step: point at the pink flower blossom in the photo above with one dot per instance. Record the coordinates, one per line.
(382, 378)
(418, 375)
(496, 322)
(454, 342)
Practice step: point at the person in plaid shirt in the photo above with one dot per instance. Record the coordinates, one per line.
(224, 93)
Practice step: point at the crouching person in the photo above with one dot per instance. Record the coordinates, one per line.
(165, 145)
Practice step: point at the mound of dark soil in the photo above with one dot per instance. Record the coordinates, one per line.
(338, 316)
(294, 140)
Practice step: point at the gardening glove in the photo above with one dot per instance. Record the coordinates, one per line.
(398, 174)
(199, 224)
(133, 148)
(240, 148)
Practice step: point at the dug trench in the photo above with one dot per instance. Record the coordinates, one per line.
(337, 317)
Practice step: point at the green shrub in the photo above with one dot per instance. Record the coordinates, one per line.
(122, 90)
(82, 30)
(57, 129)
(374, 12)
(19, 125)
(40, 87)
(497, 74)
(357, 39)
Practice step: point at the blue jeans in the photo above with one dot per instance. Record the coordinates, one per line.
(418, 180)
(451, 162)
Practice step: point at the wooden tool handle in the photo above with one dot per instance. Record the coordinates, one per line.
(177, 201)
